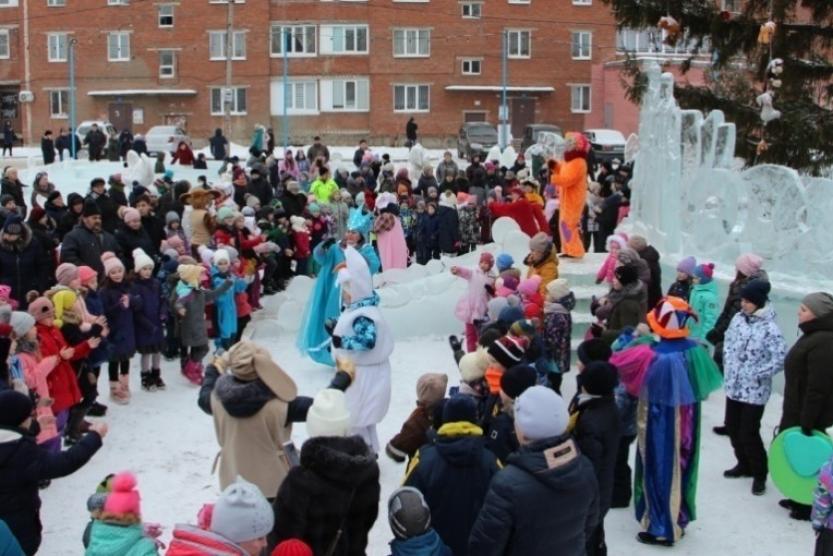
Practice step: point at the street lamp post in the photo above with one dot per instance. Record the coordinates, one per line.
(71, 59)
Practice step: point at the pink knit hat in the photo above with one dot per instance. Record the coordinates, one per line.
(123, 498)
(488, 258)
(176, 243)
(749, 264)
(111, 262)
(42, 309)
(130, 215)
(66, 273)
(529, 286)
(85, 274)
(6, 296)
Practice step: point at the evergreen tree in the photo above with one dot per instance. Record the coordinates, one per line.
(802, 137)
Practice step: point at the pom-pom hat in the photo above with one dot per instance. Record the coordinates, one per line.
(669, 319)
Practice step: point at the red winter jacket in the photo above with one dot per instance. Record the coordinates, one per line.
(192, 541)
(529, 216)
(63, 384)
(183, 156)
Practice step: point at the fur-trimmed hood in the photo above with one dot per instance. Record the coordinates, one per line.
(22, 242)
(343, 460)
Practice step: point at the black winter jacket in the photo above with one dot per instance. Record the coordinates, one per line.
(15, 189)
(651, 256)
(336, 486)
(448, 229)
(20, 263)
(808, 377)
(109, 209)
(129, 240)
(22, 465)
(82, 246)
(597, 433)
(535, 507)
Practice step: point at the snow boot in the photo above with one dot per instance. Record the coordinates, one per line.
(117, 393)
(193, 372)
(73, 430)
(721, 430)
(147, 382)
(737, 472)
(124, 380)
(648, 538)
(156, 376)
(759, 486)
(97, 410)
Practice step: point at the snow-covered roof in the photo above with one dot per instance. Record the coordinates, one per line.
(498, 88)
(139, 92)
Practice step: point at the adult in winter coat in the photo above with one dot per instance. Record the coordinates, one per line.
(11, 185)
(529, 216)
(331, 499)
(55, 207)
(808, 380)
(183, 154)
(446, 167)
(85, 244)
(43, 235)
(72, 216)
(23, 465)
(47, 147)
(293, 200)
(517, 517)
(448, 224)
(753, 352)
(259, 185)
(651, 257)
(570, 177)
(625, 305)
(318, 150)
(219, 145)
(95, 141)
(453, 472)
(542, 261)
(125, 143)
(704, 301)
(9, 137)
(139, 145)
(107, 205)
(21, 259)
(411, 131)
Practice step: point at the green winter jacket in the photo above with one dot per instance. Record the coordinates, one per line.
(119, 540)
(706, 304)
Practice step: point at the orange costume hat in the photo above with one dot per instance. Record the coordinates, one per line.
(669, 319)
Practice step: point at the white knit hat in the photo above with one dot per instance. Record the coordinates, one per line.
(141, 259)
(540, 413)
(328, 415)
(242, 513)
(473, 365)
(220, 255)
(558, 289)
(21, 323)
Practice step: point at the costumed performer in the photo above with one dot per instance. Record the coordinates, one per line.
(670, 377)
(324, 303)
(570, 177)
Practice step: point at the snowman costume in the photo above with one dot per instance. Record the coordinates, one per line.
(362, 335)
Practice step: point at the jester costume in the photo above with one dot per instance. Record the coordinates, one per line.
(324, 302)
(570, 179)
(670, 377)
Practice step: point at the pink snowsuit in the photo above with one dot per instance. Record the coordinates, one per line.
(605, 273)
(390, 239)
(474, 304)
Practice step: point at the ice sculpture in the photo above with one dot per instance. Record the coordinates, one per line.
(139, 169)
(689, 197)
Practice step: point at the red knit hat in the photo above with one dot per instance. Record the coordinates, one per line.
(85, 274)
(292, 547)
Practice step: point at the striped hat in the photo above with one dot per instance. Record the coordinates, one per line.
(508, 350)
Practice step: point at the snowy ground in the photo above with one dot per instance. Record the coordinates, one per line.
(170, 444)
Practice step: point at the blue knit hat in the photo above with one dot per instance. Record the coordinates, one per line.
(460, 408)
(704, 272)
(757, 292)
(504, 261)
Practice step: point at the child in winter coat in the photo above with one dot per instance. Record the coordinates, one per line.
(822, 514)
(472, 306)
(685, 274)
(148, 320)
(704, 301)
(427, 230)
(225, 307)
(531, 299)
(94, 308)
(413, 434)
(753, 352)
(189, 305)
(118, 530)
(410, 520)
(319, 227)
(500, 428)
(596, 428)
(119, 306)
(558, 328)
(467, 222)
(301, 239)
(505, 266)
(614, 243)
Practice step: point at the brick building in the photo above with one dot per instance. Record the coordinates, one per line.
(354, 67)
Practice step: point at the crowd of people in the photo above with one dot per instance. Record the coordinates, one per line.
(128, 275)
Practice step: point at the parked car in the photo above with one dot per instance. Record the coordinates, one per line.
(84, 127)
(607, 144)
(531, 134)
(475, 138)
(165, 138)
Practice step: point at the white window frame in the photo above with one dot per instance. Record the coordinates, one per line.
(470, 62)
(574, 89)
(583, 53)
(417, 88)
(515, 40)
(49, 47)
(304, 30)
(471, 8)
(413, 40)
(118, 2)
(330, 89)
(582, 2)
(171, 66)
(56, 3)
(9, 4)
(238, 46)
(63, 103)
(226, 1)
(522, 2)
(8, 38)
(160, 15)
(327, 39)
(123, 54)
(310, 94)
(237, 93)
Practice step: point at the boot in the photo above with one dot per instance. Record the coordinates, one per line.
(193, 372)
(117, 393)
(759, 486)
(721, 430)
(800, 512)
(147, 382)
(156, 376)
(737, 472)
(455, 343)
(97, 410)
(124, 380)
(647, 538)
(73, 430)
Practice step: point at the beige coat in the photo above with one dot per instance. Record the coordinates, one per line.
(252, 447)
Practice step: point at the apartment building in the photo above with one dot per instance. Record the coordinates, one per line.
(337, 68)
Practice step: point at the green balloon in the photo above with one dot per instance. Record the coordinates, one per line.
(795, 461)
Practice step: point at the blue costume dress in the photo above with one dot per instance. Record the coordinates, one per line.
(324, 302)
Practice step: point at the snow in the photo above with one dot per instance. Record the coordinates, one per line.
(170, 443)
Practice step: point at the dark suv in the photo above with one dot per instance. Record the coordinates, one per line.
(475, 138)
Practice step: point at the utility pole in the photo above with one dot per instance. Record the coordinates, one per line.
(27, 72)
(71, 59)
(228, 100)
(285, 126)
(503, 115)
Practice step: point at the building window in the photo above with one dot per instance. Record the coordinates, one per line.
(58, 103)
(56, 3)
(301, 98)
(8, 3)
(5, 50)
(299, 40)
(167, 64)
(470, 66)
(520, 43)
(118, 46)
(411, 98)
(581, 43)
(166, 15)
(118, 2)
(57, 47)
(344, 39)
(472, 10)
(411, 43)
(520, 1)
(345, 95)
(217, 45)
(237, 97)
(580, 99)
(582, 2)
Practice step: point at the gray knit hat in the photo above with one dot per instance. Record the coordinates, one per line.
(242, 514)
(21, 323)
(819, 303)
(408, 513)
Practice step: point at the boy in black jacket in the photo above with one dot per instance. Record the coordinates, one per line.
(23, 465)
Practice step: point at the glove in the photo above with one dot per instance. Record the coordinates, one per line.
(490, 289)
(330, 325)
(328, 243)
(336, 341)
(806, 431)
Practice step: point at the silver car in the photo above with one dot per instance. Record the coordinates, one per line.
(165, 138)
